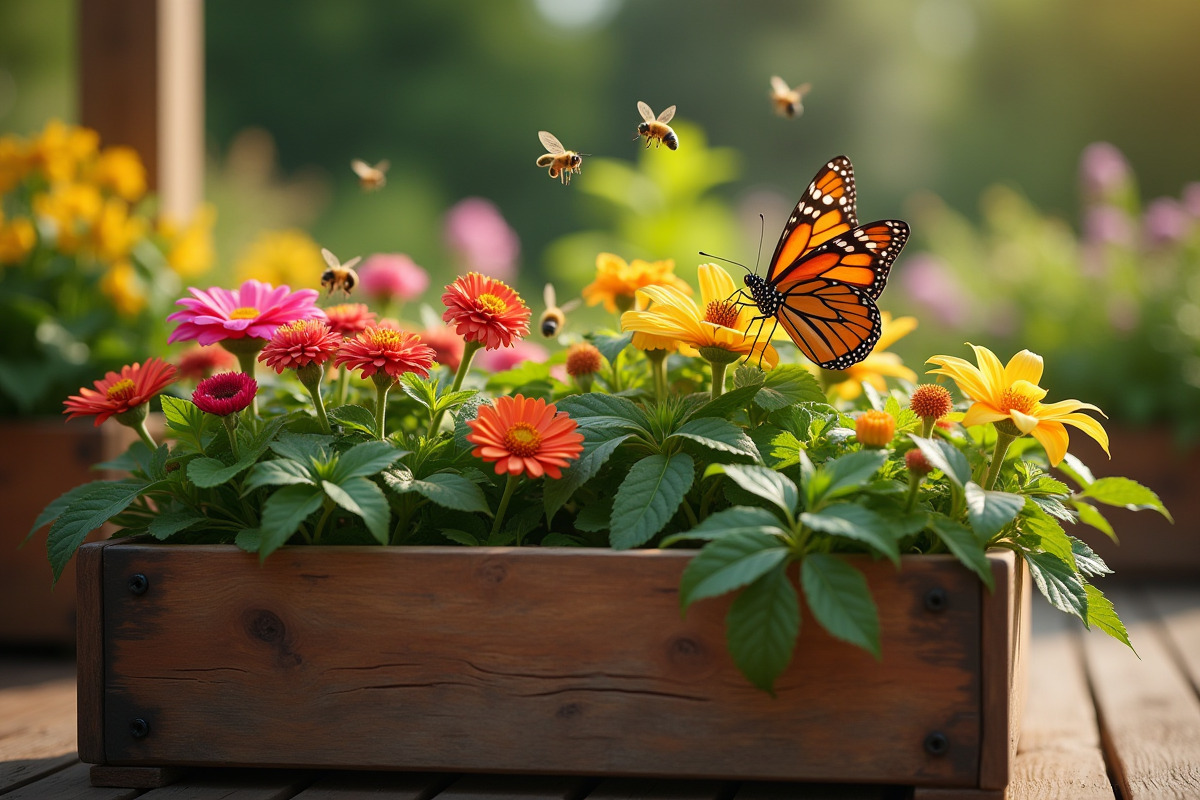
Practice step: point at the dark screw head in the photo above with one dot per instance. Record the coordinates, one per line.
(936, 600)
(138, 583)
(936, 744)
(139, 728)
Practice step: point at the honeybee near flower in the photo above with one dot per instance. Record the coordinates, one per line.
(657, 130)
(370, 178)
(339, 276)
(562, 162)
(787, 100)
(554, 317)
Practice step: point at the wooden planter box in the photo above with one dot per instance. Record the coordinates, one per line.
(534, 660)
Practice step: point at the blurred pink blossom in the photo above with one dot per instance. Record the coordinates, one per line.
(929, 281)
(506, 358)
(447, 344)
(1103, 171)
(1191, 199)
(392, 276)
(1165, 222)
(1107, 224)
(477, 233)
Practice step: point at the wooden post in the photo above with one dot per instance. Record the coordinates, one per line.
(141, 84)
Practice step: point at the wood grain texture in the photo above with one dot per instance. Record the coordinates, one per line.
(89, 651)
(1005, 642)
(431, 658)
(1178, 610)
(659, 789)
(37, 721)
(1149, 713)
(957, 794)
(376, 786)
(515, 787)
(1059, 757)
(234, 785)
(70, 784)
(755, 790)
(134, 777)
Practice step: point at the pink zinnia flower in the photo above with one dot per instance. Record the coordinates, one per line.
(446, 343)
(225, 393)
(508, 357)
(385, 350)
(485, 310)
(392, 275)
(485, 243)
(118, 393)
(349, 318)
(200, 362)
(252, 312)
(299, 344)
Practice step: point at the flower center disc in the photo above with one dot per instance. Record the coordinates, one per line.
(245, 312)
(385, 337)
(492, 304)
(721, 313)
(522, 440)
(121, 390)
(1013, 400)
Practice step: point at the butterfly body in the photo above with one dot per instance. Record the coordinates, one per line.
(827, 272)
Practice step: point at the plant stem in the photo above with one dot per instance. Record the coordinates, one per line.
(383, 383)
(658, 369)
(231, 423)
(718, 378)
(146, 437)
(914, 483)
(246, 362)
(1003, 440)
(927, 425)
(464, 366)
(329, 506)
(509, 487)
(343, 385)
(311, 376)
(691, 515)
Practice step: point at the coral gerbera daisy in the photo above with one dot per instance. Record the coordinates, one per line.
(617, 282)
(349, 318)
(523, 434)
(300, 344)
(386, 351)
(123, 395)
(254, 311)
(486, 311)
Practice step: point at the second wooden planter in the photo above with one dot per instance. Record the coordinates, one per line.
(537, 660)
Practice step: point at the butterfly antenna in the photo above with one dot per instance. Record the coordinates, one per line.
(726, 260)
(762, 226)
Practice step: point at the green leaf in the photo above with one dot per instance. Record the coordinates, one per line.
(366, 459)
(303, 447)
(946, 457)
(1052, 538)
(850, 472)
(838, 596)
(610, 346)
(648, 498)
(726, 404)
(747, 375)
(1076, 470)
(1086, 559)
(1125, 492)
(460, 537)
(594, 411)
(595, 454)
(209, 472)
(728, 563)
(965, 545)
(850, 521)
(1100, 612)
(778, 448)
(1090, 515)
(989, 511)
(423, 392)
(60, 504)
(355, 418)
(594, 517)
(1060, 584)
(276, 472)
(249, 539)
(87, 511)
(182, 415)
(736, 520)
(282, 514)
(446, 489)
(718, 434)
(527, 373)
(774, 487)
(762, 626)
(170, 522)
(361, 496)
(787, 385)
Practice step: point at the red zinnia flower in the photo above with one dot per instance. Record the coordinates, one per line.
(117, 393)
(485, 310)
(524, 434)
(225, 393)
(350, 318)
(303, 342)
(200, 362)
(447, 344)
(385, 350)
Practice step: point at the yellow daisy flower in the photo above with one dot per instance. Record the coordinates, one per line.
(1010, 396)
(617, 282)
(879, 364)
(288, 257)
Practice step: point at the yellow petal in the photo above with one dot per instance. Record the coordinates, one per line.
(1089, 426)
(1024, 366)
(715, 284)
(1024, 422)
(1023, 387)
(992, 373)
(1053, 437)
(982, 413)
(1066, 407)
(968, 377)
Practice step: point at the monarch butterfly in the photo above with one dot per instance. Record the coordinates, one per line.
(827, 272)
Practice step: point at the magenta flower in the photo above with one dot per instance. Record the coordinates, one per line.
(252, 312)
(1103, 171)
(476, 231)
(225, 393)
(1191, 199)
(506, 358)
(1107, 224)
(1165, 222)
(392, 275)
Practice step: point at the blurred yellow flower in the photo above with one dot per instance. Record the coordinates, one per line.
(71, 209)
(17, 238)
(60, 148)
(1011, 394)
(617, 282)
(190, 249)
(121, 284)
(879, 364)
(120, 171)
(720, 326)
(289, 258)
(14, 162)
(115, 231)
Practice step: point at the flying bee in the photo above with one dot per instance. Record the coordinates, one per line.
(787, 100)
(370, 178)
(554, 317)
(339, 276)
(562, 162)
(657, 130)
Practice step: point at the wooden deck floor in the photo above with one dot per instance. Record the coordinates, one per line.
(1099, 723)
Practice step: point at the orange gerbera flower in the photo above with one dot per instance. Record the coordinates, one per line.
(299, 344)
(350, 318)
(119, 393)
(485, 310)
(617, 283)
(388, 351)
(524, 435)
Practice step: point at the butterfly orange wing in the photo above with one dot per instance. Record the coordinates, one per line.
(826, 210)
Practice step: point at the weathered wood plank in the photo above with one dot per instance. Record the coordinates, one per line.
(1005, 638)
(233, 784)
(89, 652)
(1178, 610)
(69, 784)
(658, 789)
(515, 787)
(237, 664)
(16, 772)
(1059, 757)
(757, 790)
(377, 786)
(1149, 714)
(134, 777)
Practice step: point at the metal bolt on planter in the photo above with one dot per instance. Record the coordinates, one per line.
(139, 728)
(936, 744)
(936, 600)
(138, 583)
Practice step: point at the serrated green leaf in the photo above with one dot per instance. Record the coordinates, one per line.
(249, 539)
(209, 472)
(460, 537)
(355, 418)
(762, 626)
(965, 545)
(776, 488)
(1076, 470)
(1090, 515)
(1102, 614)
(729, 563)
(991, 511)
(946, 457)
(303, 447)
(1052, 538)
(611, 346)
(276, 472)
(787, 385)
(1086, 559)
(1125, 492)
(418, 389)
(736, 520)
(362, 497)
(648, 498)
(717, 434)
(594, 517)
(595, 455)
(366, 459)
(747, 375)
(60, 504)
(282, 514)
(170, 522)
(182, 415)
(446, 489)
(1060, 584)
(849, 472)
(87, 511)
(838, 596)
(728, 403)
(850, 521)
(780, 449)
(594, 411)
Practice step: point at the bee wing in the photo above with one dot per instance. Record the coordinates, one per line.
(803, 89)
(646, 112)
(548, 296)
(361, 168)
(384, 166)
(779, 85)
(570, 305)
(551, 142)
(667, 115)
(350, 264)
(330, 258)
